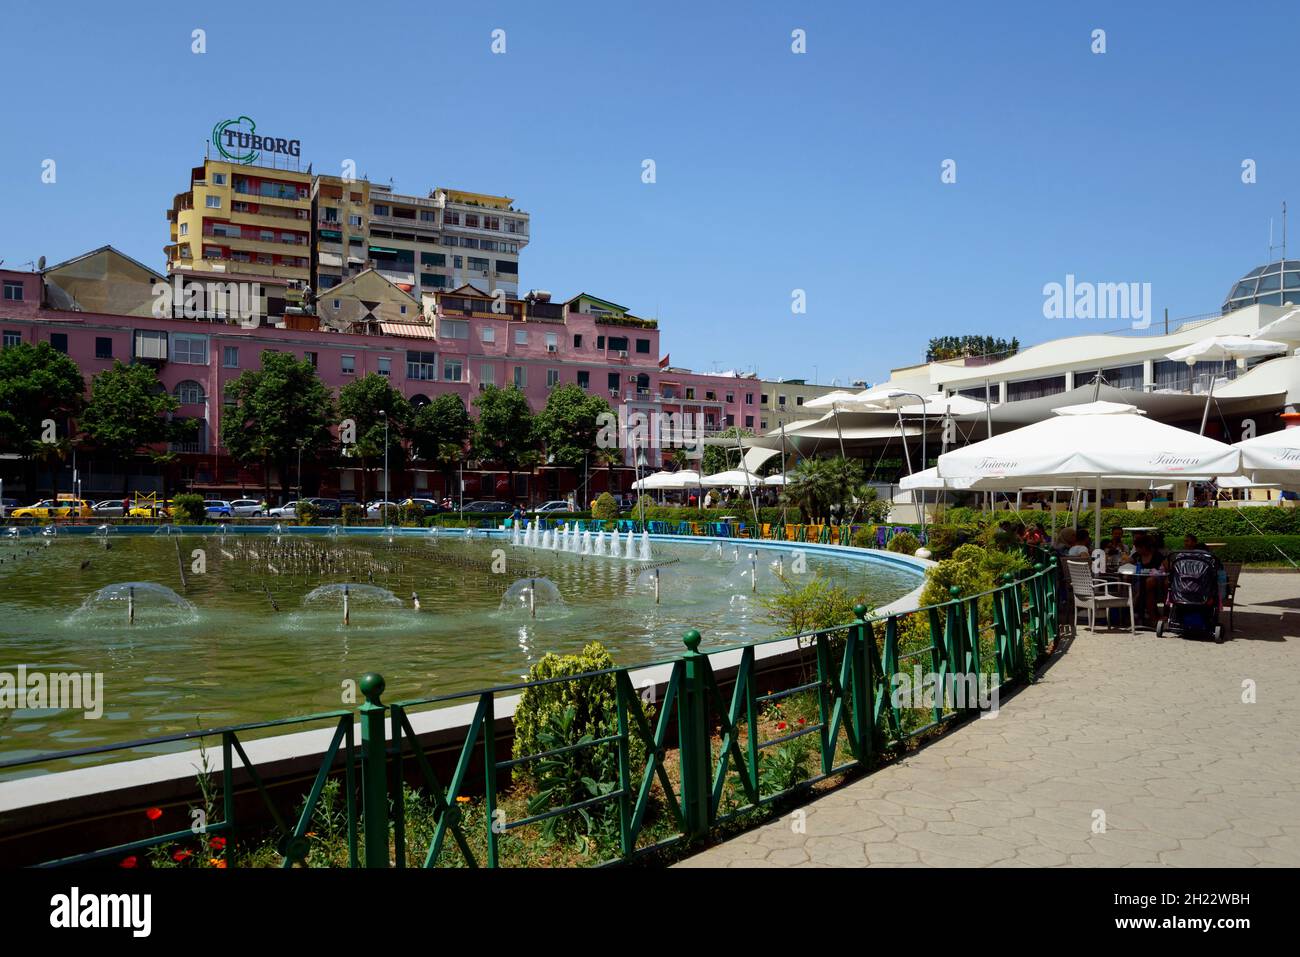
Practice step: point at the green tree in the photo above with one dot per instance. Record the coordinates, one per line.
(276, 412)
(567, 427)
(440, 431)
(957, 347)
(129, 411)
(367, 402)
(820, 487)
(38, 384)
(503, 432)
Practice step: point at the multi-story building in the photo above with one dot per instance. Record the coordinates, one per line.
(781, 402)
(243, 221)
(423, 244)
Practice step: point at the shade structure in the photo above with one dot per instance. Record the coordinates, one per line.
(1220, 348)
(664, 481)
(735, 478)
(1089, 442)
(1286, 327)
(840, 400)
(778, 479)
(940, 404)
(1272, 459)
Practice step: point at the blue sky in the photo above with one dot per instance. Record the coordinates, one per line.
(775, 171)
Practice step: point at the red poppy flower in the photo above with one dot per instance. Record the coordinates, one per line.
(217, 843)
(181, 856)
(153, 813)
(129, 862)
(780, 726)
(803, 720)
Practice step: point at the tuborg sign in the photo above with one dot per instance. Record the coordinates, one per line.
(239, 141)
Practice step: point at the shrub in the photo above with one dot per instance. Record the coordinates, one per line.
(308, 512)
(943, 540)
(904, 542)
(353, 514)
(188, 509)
(605, 509)
(800, 607)
(864, 537)
(412, 514)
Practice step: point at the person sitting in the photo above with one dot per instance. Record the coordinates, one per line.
(1115, 547)
(1149, 597)
(1082, 547)
(1065, 540)
(1033, 534)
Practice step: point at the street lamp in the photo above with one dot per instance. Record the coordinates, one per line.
(383, 503)
(641, 462)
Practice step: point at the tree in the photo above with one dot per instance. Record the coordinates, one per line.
(363, 401)
(440, 431)
(957, 347)
(503, 432)
(277, 412)
(820, 487)
(569, 423)
(129, 411)
(716, 457)
(38, 386)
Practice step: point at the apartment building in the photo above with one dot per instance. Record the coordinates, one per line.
(781, 402)
(243, 221)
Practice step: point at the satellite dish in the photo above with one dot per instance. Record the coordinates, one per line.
(40, 264)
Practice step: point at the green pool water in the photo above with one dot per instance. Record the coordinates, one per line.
(257, 633)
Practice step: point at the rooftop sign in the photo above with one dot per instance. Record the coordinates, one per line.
(239, 141)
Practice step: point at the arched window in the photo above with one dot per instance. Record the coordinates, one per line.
(419, 400)
(190, 392)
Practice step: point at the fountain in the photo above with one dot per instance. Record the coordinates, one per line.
(346, 596)
(146, 603)
(645, 546)
(531, 593)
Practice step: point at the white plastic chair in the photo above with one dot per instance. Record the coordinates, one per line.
(1096, 593)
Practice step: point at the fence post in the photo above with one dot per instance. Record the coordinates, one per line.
(864, 688)
(693, 739)
(374, 777)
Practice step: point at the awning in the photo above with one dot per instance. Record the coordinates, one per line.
(411, 330)
(329, 259)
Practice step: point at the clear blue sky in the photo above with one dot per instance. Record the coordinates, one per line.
(775, 171)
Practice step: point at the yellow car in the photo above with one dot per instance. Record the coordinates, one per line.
(146, 509)
(49, 508)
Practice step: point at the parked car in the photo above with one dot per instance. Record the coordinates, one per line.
(427, 505)
(243, 507)
(373, 509)
(146, 509)
(327, 507)
(110, 508)
(216, 508)
(287, 510)
(498, 508)
(555, 505)
(51, 508)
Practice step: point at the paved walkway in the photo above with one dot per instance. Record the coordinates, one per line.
(1152, 733)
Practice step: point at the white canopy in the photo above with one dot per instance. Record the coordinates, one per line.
(1286, 327)
(668, 480)
(732, 477)
(838, 399)
(1219, 348)
(939, 404)
(1272, 459)
(778, 479)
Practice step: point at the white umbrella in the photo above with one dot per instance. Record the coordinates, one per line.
(736, 478)
(668, 480)
(832, 400)
(1220, 349)
(1272, 459)
(778, 479)
(1090, 442)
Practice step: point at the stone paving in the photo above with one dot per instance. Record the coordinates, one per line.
(1151, 733)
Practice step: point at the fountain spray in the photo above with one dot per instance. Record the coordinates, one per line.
(347, 615)
(130, 605)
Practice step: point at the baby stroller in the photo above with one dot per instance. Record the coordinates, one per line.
(1192, 601)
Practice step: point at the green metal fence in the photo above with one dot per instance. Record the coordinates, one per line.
(704, 742)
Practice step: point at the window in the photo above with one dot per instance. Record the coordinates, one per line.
(521, 337)
(401, 310)
(749, 398)
(763, 425)
(348, 365)
(427, 216)
(421, 366)
(381, 211)
(618, 343)
(453, 329)
(230, 357)
(487, 374)
(185, 229)
(643, 346)
(481, 265)
(577, 341)
(613, 382)
(451, 370)
(521, 377)
(310, 357)
(354, 220)
(552, 342)
(214, 202)
(690, 392)
(59, 342)
(731, 397)
(749, 421)
(780, 401)
(433, 259)
(798, 400)
(190, 392)
(762, 399)
(218, 179)
(600, 342)
(552, 378)
(710, 395)
(190, 349)
(103, 347)
(150, 345)
(337, 303)
(507, 267)
(487, 334)
(584, 379)
(1051, 385)
(385, 365)
(12, 338)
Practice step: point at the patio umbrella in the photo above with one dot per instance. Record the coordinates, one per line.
(1088, 443)
(733, 478)
(1272, 459)
(1222, 349)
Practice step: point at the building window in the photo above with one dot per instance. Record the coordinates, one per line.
(13, 291)
(487, 334)
(337, 303)
(552, 378)
(749, 421)
(218, 179)
(798, 400)
(12, 338)
(600, 342)
(214, 202)
(59, 342)
(103, 347)
(521, 377)
(453, 329)
(690, 392)
(481, 265)
(384, 366)
(487, 374)
(230, 357)
(507, 267)
(643, 346)
(451, 370)
(762, 399)
(613, 383)
(780, 401)
(433, 259)
(421, 366)
(552, 342)
(190, 349)
(348, 365)
(381, 211)
(749, 398)
(1037, 388)
(185, 229)
(731, 397)
(190, 392)
(310, 357)
(584, 379)
(577, 341)
(150, 345)
(521, 337)
(618, 343)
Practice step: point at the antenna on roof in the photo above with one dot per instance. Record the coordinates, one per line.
(1284, 229)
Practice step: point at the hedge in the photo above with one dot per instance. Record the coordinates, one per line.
(1208, 524)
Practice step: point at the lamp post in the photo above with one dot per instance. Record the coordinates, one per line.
(894, 397)
(383, 503)
(300, 444)
(641, 462)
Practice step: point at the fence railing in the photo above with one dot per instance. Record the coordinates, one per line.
(714, 741)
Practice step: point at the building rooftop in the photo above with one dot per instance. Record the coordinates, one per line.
(1272, 284)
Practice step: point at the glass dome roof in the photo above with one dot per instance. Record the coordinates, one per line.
(1273, 284)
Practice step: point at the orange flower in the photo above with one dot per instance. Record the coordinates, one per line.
(129, 862)
(217, 862)
(462, 800)
(181, 856)
(153, 813)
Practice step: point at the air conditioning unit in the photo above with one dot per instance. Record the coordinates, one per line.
(622, 353)
(551, 349)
